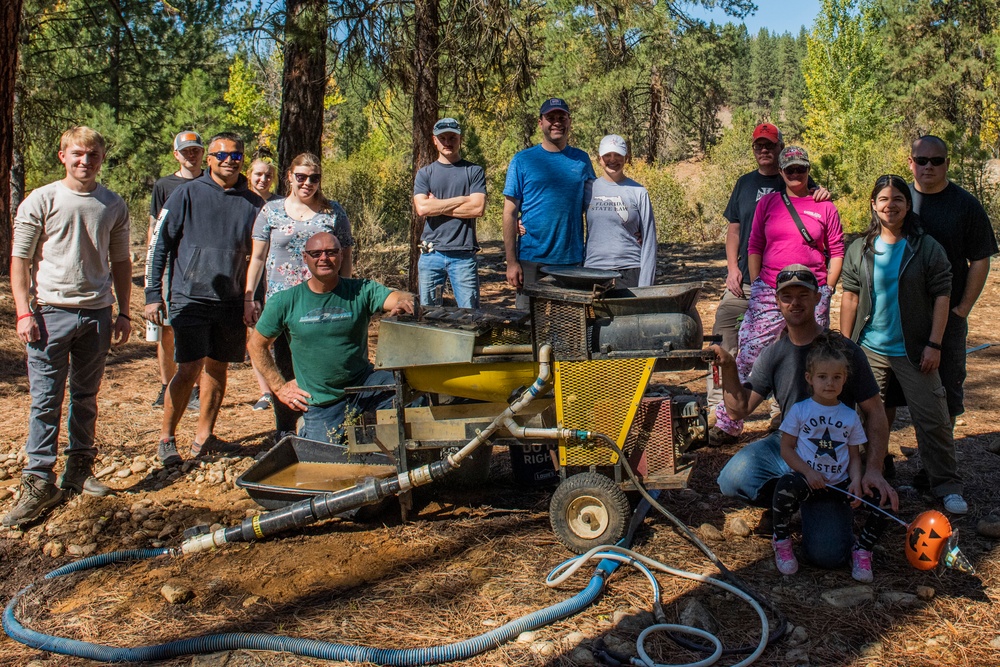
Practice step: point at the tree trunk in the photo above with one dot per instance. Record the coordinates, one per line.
(10, 28)
(17, 162)
(303, 83)
(425, 108)
(655, 113)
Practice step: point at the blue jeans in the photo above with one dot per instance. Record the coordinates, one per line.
(73, 344)
(325, 423)
(461, 267)
(827, 521)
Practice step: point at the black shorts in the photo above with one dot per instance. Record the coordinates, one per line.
(216, 332)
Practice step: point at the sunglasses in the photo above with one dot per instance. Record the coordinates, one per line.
(796, 170)
(804, 276)
(325, 252)
(768, 146)
(935, 161)
(302, 178)
(222, 156)
(446, 126)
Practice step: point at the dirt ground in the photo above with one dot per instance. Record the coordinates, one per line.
(470, 560)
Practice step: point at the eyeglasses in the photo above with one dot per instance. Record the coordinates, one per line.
(325, 252)
(936, 161)
(222, 156)
(450, 125)
(302, 178)
(768, 146)
(795, 170)
(804, 276)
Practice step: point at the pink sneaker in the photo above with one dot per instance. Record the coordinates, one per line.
(784, 557)
(861, 565)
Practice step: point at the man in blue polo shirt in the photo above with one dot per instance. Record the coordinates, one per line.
(545, 187)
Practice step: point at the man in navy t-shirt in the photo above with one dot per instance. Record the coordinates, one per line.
(545, 187)
(451, 194)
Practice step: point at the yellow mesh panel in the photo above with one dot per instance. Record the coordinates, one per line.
(600, 395)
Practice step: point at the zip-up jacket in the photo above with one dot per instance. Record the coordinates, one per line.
(924, 275)
(203, 235)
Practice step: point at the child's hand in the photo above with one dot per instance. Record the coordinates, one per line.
(815, 480)
(856, 488)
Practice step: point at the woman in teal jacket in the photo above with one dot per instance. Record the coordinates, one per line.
(897, 285)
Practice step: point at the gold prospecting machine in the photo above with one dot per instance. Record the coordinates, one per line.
(604, 344)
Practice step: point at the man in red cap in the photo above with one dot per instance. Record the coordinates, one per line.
(767, 144)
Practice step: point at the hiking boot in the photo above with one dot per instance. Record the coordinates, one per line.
(861, 566)
(78, 477)
(784, 557)
(955, 504)
(212, 446)
(158, 403)
(166, 452)
(194, 403)
(717, 437)
(263, 403)
(37, 495)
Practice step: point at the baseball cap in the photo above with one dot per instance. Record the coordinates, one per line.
(613, 143)
(187, 138)
(447, 125)
(553, 104)
(767, 131)
(797, 274)
(793, 155)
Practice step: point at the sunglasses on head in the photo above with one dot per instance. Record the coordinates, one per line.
(222, 156)
(325, 252)
(446, 126)
(804, 276)
(936, 161)
(302, 178)
(795, 170)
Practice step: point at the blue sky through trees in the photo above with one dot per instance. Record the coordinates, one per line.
(776, 15)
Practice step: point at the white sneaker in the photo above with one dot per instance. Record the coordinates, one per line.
(955, 504)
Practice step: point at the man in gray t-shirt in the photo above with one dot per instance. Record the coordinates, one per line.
(450, 193)
(70, 263)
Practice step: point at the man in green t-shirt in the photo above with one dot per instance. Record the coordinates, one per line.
(326, 319)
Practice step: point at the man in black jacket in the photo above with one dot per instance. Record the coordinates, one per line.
(204, 232)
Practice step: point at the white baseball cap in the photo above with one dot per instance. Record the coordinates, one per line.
(613, 143)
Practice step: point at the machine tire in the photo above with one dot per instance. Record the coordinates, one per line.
(588, 509)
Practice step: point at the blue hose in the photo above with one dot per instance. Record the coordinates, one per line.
(304, 647)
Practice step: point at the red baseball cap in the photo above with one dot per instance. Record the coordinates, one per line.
(767, 131)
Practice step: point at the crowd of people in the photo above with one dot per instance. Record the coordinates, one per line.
(225, 255)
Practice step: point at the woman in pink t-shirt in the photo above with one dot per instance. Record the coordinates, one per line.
(776, 242)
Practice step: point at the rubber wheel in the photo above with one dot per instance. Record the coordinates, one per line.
(588, 509)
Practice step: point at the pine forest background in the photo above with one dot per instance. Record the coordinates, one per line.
(854, 89)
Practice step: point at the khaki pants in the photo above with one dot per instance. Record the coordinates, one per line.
(929, 411)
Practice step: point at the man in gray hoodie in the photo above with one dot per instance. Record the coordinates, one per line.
(204, 233)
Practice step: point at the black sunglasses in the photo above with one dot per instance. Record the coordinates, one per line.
(302, 178)
(222, 156)
(804, 276)
(764, 146)
(325, 252)
(795, 170)
(936, 161)
(446, 126)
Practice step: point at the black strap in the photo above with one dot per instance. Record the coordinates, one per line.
(806, 236)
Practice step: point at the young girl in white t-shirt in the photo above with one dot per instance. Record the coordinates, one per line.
(819, 442)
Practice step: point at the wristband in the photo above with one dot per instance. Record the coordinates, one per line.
(21, 317)
(125, 316)
(934, 346)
